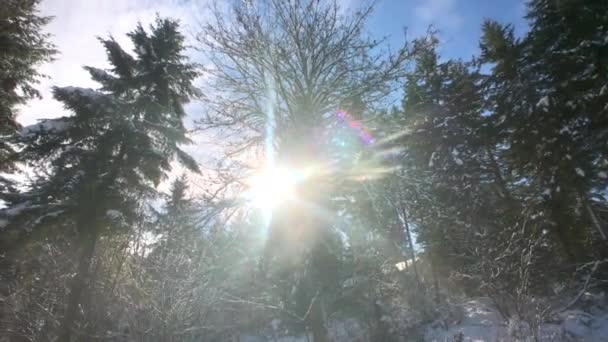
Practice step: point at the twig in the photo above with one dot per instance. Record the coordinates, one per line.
(584, 289)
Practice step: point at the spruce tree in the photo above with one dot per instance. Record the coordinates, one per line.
(24, 48)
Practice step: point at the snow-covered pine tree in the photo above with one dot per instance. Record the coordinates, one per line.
(95, 167)
(548, 92)
(442, 113)
(24, 47)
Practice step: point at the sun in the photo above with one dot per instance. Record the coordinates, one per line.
(272, 187)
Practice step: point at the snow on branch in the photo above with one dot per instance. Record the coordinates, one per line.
(45, 126)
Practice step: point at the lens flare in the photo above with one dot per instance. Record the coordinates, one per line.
(356, 126)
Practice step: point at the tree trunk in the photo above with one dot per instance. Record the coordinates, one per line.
(594, 220)
(562, 227)
(406, 227)
(317, 323)
(79, 285)
(500, 181)
(435, 279)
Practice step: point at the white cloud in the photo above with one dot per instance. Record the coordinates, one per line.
(75, 27)
(442, 14)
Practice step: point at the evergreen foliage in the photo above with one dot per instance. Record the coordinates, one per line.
(24, 48)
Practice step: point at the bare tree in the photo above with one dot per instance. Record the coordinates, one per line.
(275, 69)
(286, 63)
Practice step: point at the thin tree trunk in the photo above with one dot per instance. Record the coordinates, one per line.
(319, 332)
(435, 280)
(406, 227)
(78, 286)
(89, 233)
(594, 218)
(498, 176)
(562, 227)
(123, 258)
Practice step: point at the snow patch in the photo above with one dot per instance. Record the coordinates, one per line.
(564, 130)
(16, 209)
(276, 323)
(114, 215)
(45, 126)
(576, 323)
(7, 214)
(51, 214)
(431, 159)
(478, 320)
(78, 91)
(344, 330)
(140, 50)
(579, 172)
(543, 102)
(457, 160)
(501, 119)
(254, 338)
(98, 73)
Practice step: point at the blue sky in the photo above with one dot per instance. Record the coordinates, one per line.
(459, 21)
(78, 22)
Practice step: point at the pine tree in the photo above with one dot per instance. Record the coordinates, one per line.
(442, 112)
(101, 162)
(548, 91)
(24, 48)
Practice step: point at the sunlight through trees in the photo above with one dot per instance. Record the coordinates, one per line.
(354, 192)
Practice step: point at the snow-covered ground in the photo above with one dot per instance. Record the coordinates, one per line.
(477, 320)
(481, 322)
